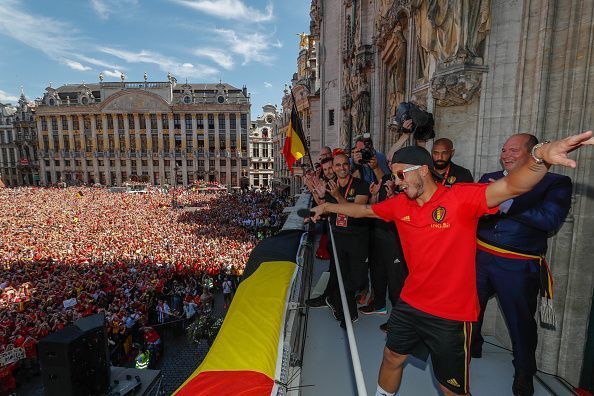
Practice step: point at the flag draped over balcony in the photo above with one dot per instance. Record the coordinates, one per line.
(294, 147)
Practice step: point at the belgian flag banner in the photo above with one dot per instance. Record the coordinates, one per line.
(294, 147)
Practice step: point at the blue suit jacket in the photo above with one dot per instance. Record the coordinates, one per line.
(533, 216)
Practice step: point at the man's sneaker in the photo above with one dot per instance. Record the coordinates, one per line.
(317, 302)
(334, 311)
(369, 309)
(384, 327)
(353, 320)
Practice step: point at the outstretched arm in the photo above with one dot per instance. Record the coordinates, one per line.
(523, 179)
(349, 209)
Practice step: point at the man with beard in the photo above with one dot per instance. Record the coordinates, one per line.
(351, 236)
(437, 228)
(450, 173)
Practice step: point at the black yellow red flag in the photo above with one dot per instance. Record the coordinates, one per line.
(294, 148)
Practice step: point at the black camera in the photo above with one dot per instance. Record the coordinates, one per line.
(423, 122)
(367, 152)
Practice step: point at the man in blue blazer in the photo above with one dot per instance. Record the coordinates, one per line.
(510, 257)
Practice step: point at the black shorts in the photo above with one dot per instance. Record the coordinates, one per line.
(448, 343)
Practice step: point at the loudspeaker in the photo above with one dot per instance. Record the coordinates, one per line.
(75, 360)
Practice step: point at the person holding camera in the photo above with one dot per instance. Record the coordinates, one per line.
(368, 163)
(438, 304)
(448, 173)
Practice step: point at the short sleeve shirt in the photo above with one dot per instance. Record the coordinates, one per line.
(439, 244)
(355, 187)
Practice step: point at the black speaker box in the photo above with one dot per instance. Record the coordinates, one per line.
(75, 360)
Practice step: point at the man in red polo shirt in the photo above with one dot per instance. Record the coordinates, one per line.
(439, 302)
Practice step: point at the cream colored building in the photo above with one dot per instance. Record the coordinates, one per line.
(486, 69)
(19, 165)
(261, 151)
(155, 132)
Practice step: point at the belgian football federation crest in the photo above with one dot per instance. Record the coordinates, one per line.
(451, 180)
(352, 192)
(439, 214)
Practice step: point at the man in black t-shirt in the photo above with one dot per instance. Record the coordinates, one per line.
(351, 236)
(387, 266)
(450, 173)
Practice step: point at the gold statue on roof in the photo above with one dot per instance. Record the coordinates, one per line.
(303, 40)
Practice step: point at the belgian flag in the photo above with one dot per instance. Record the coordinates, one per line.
(294, 147)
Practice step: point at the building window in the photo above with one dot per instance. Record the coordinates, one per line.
(54, 125)
(64, 122)
(98, 123)
(189, 143)
(75, 124)
(243, 121)
(232, 121)
(190, 163)
(165, 121)
(188, 119)
(211, 123)
(144, 163)
(142, 121)
(66, 162)
(154, 122)
(109, 122)
(200, 163)
(43, 124)
(211, 163)
(199, 121)
(120, 123)
(176, 123)
(155, 162)
(221, 121)
(331, 117)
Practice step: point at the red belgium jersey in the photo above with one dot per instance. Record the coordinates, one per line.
(439, 244)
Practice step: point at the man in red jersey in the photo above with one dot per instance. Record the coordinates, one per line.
(439, 302)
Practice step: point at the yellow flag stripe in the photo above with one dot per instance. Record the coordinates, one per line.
(250, 335)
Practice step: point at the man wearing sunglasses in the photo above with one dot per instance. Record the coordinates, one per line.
(439, 301)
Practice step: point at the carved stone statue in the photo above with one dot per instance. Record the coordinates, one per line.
(397, 72)
(454, 42)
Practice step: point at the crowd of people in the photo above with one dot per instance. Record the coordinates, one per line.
(66, 253)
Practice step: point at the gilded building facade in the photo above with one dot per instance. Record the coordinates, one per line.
(155, 132)
(486, 69)
(261, 148)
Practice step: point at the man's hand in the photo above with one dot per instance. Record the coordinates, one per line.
(555, 153)
(319, 187)
(318, 212)
(390, 187)
(374, 188)
(373, 162)
(333, 189)
(407, 126)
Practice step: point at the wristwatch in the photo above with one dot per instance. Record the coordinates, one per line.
(536, 159)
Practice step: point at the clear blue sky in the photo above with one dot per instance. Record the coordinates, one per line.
(251, 42)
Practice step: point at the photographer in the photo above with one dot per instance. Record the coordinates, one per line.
(368, 164)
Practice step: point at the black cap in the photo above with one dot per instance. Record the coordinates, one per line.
(415, 155)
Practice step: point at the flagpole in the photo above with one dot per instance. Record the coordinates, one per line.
(301, 128)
